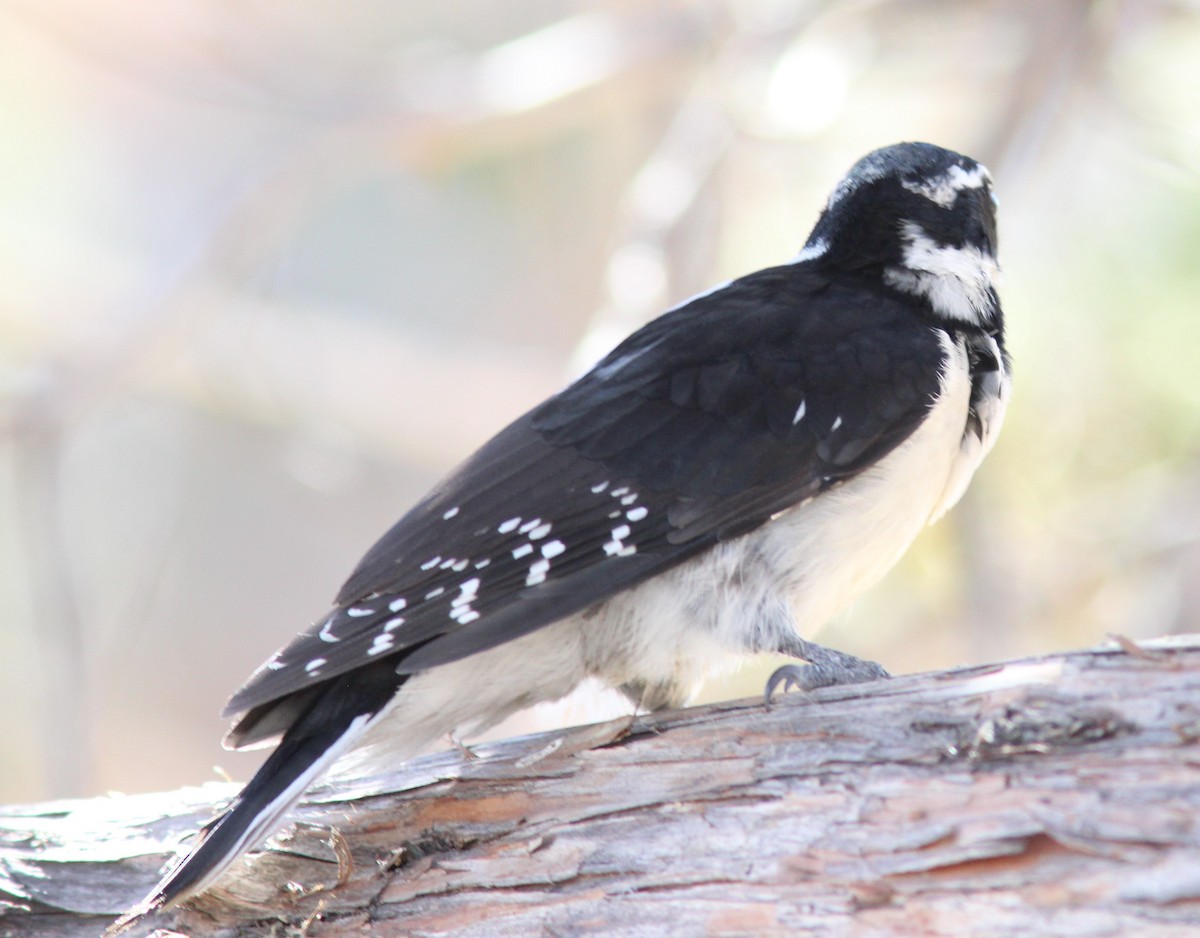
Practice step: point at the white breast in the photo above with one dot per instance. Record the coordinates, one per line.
(833, 548)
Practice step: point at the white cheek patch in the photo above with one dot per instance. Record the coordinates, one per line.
(959, 283)
(944, 189)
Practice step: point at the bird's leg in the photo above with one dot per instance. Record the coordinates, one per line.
(826, 667)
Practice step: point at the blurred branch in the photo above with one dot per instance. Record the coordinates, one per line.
(57, 623)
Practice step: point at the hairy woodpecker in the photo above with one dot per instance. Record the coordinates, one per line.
(738, 470)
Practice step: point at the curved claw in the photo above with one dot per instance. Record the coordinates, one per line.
(789, 675)
(834, 668)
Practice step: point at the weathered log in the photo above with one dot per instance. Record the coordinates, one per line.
(1052, 796)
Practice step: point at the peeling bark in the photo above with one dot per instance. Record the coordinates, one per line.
(1053, 796)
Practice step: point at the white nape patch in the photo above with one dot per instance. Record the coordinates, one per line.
(509, 525)
(326, 633)
(450, 514)
(540, 531)
(837, 422)
(597, 489)
(435, 593)
(811, 251)
(397, 604)
(384, 641)
(523, 551)
(944, 189)
(553, 549)
(637, 514)
(359, 611)
(958, 282)
(800, 412)
(529, 526)
(314, 667)
(537, 572)
(431, 562)
(392, 624)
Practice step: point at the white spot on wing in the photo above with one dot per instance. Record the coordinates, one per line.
(382, 642)
(460, 606)
(553, 549)
(315, 665)
(435, 593)
(397, 604)
(509, 525)
(597, 489)
(637, 514)
(326, 633)
(800, 412)
(540, 531)
(431, 562)
(469, 590)
(837, 422)
(359, 611)
(392, 624)
(450, 514)
(523, 551)
(616, 547)
(537, 572)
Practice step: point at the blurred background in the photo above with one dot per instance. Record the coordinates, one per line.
(268, 269)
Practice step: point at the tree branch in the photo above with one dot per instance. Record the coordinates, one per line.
(1048, 796)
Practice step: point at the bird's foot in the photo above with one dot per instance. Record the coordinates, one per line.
(826, 667)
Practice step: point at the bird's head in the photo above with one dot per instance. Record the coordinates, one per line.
(922, 220)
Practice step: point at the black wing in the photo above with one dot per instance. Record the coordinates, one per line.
(699, 427)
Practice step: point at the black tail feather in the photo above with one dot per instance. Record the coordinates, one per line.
(334, 718)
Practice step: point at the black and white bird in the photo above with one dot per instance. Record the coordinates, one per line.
(727, 479)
